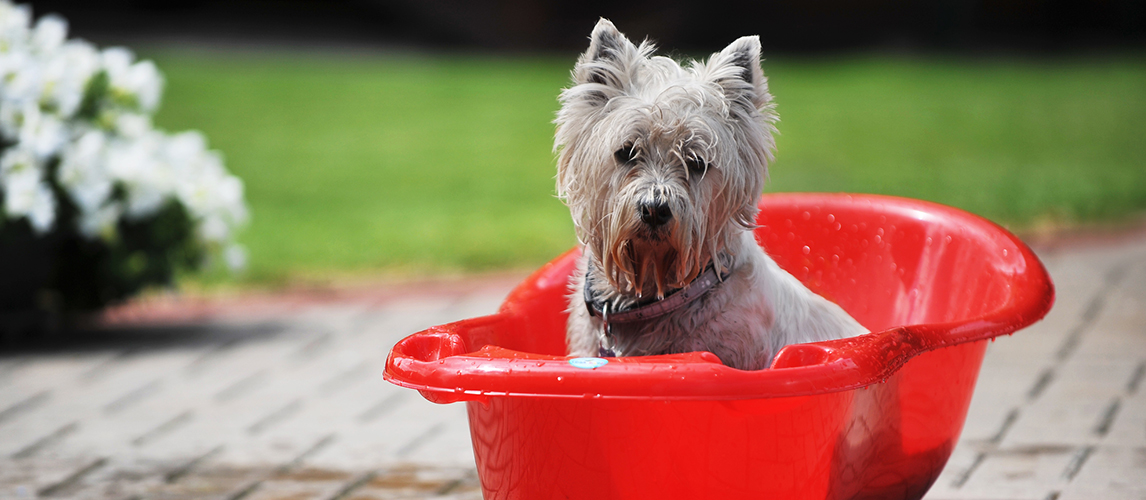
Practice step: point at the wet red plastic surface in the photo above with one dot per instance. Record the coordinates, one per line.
(874, 416)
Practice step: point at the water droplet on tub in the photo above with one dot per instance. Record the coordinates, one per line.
(807, 249)
(560, 379)
(832, 218)
(806, 215)
(1004, 252)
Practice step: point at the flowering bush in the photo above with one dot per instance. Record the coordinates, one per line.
(89, 189)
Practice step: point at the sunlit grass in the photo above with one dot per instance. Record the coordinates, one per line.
(430, 164)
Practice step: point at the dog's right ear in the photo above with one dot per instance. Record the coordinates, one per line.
(606, 43)
(747, 83)
(608, 64)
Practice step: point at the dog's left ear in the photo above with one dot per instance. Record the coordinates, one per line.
(737, 71)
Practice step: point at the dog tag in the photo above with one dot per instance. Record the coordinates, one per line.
(588, 363)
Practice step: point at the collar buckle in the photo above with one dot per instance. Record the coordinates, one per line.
(605, 338)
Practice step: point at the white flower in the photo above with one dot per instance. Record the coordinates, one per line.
(11, 61)
(186, 146)
(207, 190)
(22, 77)
(132, 125)
(236, 257)
(140, 81)
(11, 117)
(18, 162)
(144, 80)
(214, 229)
(43, 132)
(116, 60)
(83, 171)
(42, 212)
(25, 193)
(66, 74)
(49, 34)
(101, 222)
(14, 20)
(211, 195)
(136, 165)
(25, 123)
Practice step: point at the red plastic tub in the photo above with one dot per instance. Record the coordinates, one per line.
(874, 416)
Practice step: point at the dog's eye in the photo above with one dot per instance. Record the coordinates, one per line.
(696, 164)
(627, 154)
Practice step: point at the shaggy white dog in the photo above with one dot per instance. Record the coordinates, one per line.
(661, 167)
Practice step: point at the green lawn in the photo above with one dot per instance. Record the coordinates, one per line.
(404, 164)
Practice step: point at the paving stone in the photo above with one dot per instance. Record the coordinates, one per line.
(448, 444)
(412, 434)
(30, 478)
(410, 482)
(1074, 408)
(1019, 473)
(999, 394)
(210, 483)
(1110, 473)
(28, 376)
(111, 479)
(304, 484)
(1128, 424)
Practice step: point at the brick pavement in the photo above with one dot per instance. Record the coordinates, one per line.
(290, 404)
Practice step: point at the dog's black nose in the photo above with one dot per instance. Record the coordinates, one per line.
(656, 213)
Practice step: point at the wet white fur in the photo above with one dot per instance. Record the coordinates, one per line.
(719, 111)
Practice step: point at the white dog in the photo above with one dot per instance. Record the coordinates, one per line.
(661, 167)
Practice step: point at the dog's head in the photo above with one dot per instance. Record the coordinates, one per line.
(661, 165)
